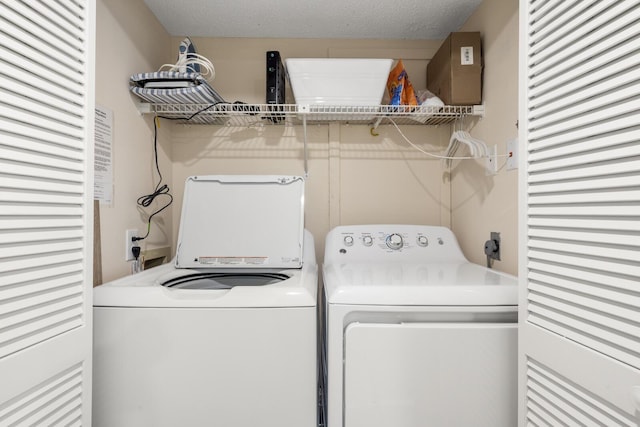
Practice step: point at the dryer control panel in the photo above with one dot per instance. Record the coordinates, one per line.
(387, 242)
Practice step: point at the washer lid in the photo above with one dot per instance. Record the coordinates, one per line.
(247, 221)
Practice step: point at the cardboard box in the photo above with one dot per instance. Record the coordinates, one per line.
(454, 74)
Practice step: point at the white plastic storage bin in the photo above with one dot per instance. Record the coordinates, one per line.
(338, 81)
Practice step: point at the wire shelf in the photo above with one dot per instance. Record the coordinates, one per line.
(238, 114)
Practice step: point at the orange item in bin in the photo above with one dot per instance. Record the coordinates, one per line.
(399, 87)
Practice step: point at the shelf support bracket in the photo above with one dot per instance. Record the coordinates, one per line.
(304, 132)
(478, 110)
(373, 131)
(144, 108)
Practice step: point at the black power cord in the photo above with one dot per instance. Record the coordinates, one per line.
(160, 190)
(163, 189)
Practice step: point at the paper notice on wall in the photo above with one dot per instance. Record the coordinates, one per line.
(103, 156)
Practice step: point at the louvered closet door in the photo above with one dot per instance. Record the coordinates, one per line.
(580, 213)
(46, 131)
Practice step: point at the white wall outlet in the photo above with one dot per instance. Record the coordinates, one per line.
(129, 243)
(512, 154)
(491, 167)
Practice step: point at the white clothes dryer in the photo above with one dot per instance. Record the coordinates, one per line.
(415, 334)
(226, 335)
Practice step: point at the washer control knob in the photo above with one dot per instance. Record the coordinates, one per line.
(394, 241)
(348, 240)
(367, 240)
(423, 241)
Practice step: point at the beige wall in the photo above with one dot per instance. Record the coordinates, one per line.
(479, 203)
(129, 40)
(354, 177)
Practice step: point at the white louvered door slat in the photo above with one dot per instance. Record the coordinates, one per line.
(52, 288)
(20, 184)
(17, 131)
(544, 104)
(46, 211)
(29, 169)
(55, 198)
(32, 12)
(42, 277)
(27, 223)
(549, 17)
(70, 13)
(592, 289)
(36, 211)
(582, 235)
(41, 66)
(35, 118)
(592, 248)
(42, 260)
(586, 409)
(38, 78)
(590, 171)
(28, 407)
(38, 45)
(54, 114)
(611, 111)
(573, 43)
(563, 292)
(34, 157)
(26, 91)
(580, 206)
(44, 247)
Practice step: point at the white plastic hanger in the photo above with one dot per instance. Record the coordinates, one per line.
(477, 147)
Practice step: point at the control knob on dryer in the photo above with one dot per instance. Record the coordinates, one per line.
(394, 241)
(348, 240)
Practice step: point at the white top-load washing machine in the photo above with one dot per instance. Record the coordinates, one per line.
(225, 336)
(415, 334)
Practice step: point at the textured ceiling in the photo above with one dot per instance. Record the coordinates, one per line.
(349, 19)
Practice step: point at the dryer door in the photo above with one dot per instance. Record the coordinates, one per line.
(430, 374)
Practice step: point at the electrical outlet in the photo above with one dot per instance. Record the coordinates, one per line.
(491, 167)
(512, 154)
(129, 243)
